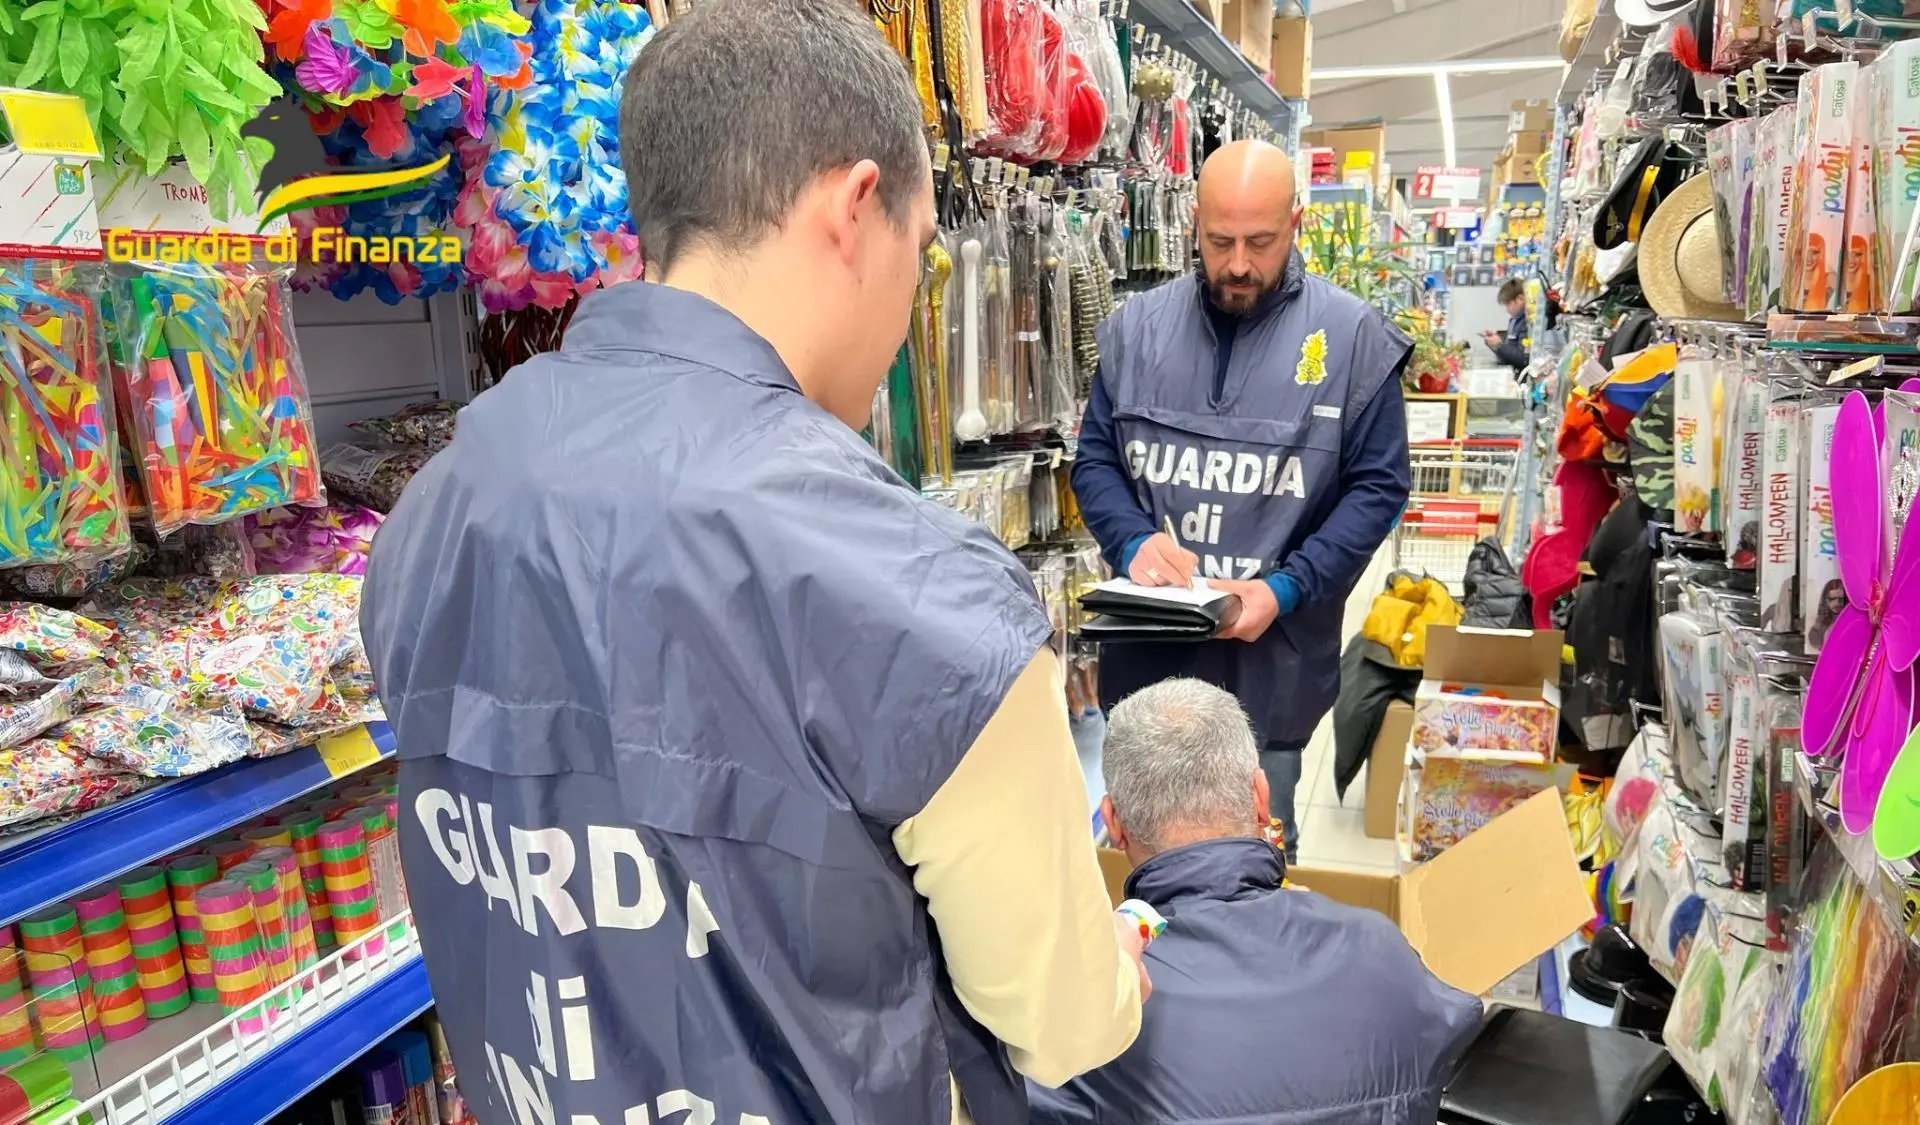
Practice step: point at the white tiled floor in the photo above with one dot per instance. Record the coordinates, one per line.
(1332, 835)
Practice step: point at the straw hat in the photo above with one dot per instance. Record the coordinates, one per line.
(1680, 256)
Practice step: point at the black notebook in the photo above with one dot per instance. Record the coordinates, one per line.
(1123, 611)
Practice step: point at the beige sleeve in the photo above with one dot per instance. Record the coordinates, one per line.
(1004, 855)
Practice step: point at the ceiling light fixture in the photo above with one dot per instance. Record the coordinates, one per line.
(1443, 101)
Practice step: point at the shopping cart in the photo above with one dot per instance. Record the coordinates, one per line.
(1461, 491)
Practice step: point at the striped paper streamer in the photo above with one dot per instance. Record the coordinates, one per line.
(267, 836)
(156, 944)
(229, 853)
(233, 944)
(29, 1088)
(349, 874)
(186, 874)
(63, 1004)
(110, 961)
(293, 904)
(383, 854)
(16, 1026)
(305, 829)
(276, 945)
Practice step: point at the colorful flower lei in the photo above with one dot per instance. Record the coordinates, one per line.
(547, 206)
(346, 52)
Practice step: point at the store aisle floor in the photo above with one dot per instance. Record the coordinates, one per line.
(1332, 834)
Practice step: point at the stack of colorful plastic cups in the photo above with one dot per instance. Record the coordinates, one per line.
(233, 943)
(156, 947)
(16, 1026)
(293, 904)
(29, 1089)
(350, 892)
(185, 875)
(305, 830)
(110, 961)
(62, 988)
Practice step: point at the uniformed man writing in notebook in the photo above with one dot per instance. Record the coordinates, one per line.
(1257, 408)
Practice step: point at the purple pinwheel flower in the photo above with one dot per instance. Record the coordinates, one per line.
(327, 67)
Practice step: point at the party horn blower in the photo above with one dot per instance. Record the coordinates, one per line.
(62, 988)
(293, 904)
(110, 961)
(233, 944)
(350, 892)
(156, 944)
(29, 1088)
(16, 1026)
(185, 875)
(276, 945)
(305, 830)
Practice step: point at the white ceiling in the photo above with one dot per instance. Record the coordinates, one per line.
(1388, 32)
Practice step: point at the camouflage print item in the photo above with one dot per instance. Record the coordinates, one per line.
(1650, 450)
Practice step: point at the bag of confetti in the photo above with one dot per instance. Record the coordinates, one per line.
(207, 550)
(336, 539)
(72, 579)
(264, 643)
(52, 775)
(153, 733)
(426, 424)
(49, 636)
(26, 713)
(373, 475)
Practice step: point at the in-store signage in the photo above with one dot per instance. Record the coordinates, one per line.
(1431, 181)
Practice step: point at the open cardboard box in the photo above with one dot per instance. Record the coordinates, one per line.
(1386, 766)
(1479, 912)
(1489, 694)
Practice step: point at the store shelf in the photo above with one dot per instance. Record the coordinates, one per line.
(1183, 28)
(1592, 55)
(60, 862)
(219, 1075)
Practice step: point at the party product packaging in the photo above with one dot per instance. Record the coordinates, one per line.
(1740, 488)
(1894, 141)
(1862, 284)
(1697, 403)
(1820, 208)
(1772, 209)
(1786, 843)
(1722, 164)
(1489, 694)
(1822, 596)
(1778, 564)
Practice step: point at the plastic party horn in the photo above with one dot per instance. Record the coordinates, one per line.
(110, 961)
(62, 988)
(233, 943)
(305, 829)
(186, 874)
(27, 1088)
(156, 944)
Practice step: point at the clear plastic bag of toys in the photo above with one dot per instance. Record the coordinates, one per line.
(61, 497)
(215, 390)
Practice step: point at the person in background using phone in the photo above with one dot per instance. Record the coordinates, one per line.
(1510, 347)
(1272, 1004)
(737, 773)
(1256, 408)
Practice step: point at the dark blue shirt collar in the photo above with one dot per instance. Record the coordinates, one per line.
(1212, 870)
(1271, 301)
(648, 317)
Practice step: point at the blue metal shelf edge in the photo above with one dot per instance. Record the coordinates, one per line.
(73, 857)
(276, 1080)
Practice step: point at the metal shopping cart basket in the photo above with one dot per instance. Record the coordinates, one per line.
(1461, 492)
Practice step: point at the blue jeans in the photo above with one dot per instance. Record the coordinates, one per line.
(1280, 761)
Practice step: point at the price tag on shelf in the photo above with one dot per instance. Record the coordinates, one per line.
(348, 752)
(49, 124)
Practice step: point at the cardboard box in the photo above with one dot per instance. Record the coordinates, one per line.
(1211, 9)
(1293, 58)
(1489, 695)
(1248, 25)
(1370, 139)
(1531, 117)
(1386, 764)
(1484, 911)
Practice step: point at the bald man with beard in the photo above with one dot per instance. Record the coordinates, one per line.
(1256, 409)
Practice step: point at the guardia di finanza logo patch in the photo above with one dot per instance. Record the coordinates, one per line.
(1312, 367)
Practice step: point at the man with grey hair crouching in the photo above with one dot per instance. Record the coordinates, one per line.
(1271, 1006)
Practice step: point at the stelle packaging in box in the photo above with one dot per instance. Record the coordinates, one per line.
(1489, 694)
(1477, 914)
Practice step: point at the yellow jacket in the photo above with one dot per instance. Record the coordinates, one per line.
(1399, 617)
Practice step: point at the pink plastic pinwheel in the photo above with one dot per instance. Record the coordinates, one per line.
(1860, 700)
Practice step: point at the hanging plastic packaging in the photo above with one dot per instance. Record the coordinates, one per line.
(61, 494)
(1817, 224)
(1697, 403)
(1894, 141)
(1822, 596)
(218, 400)
(1781, 469)
(1011, 39)
(1740, 487)
(1056, 91)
